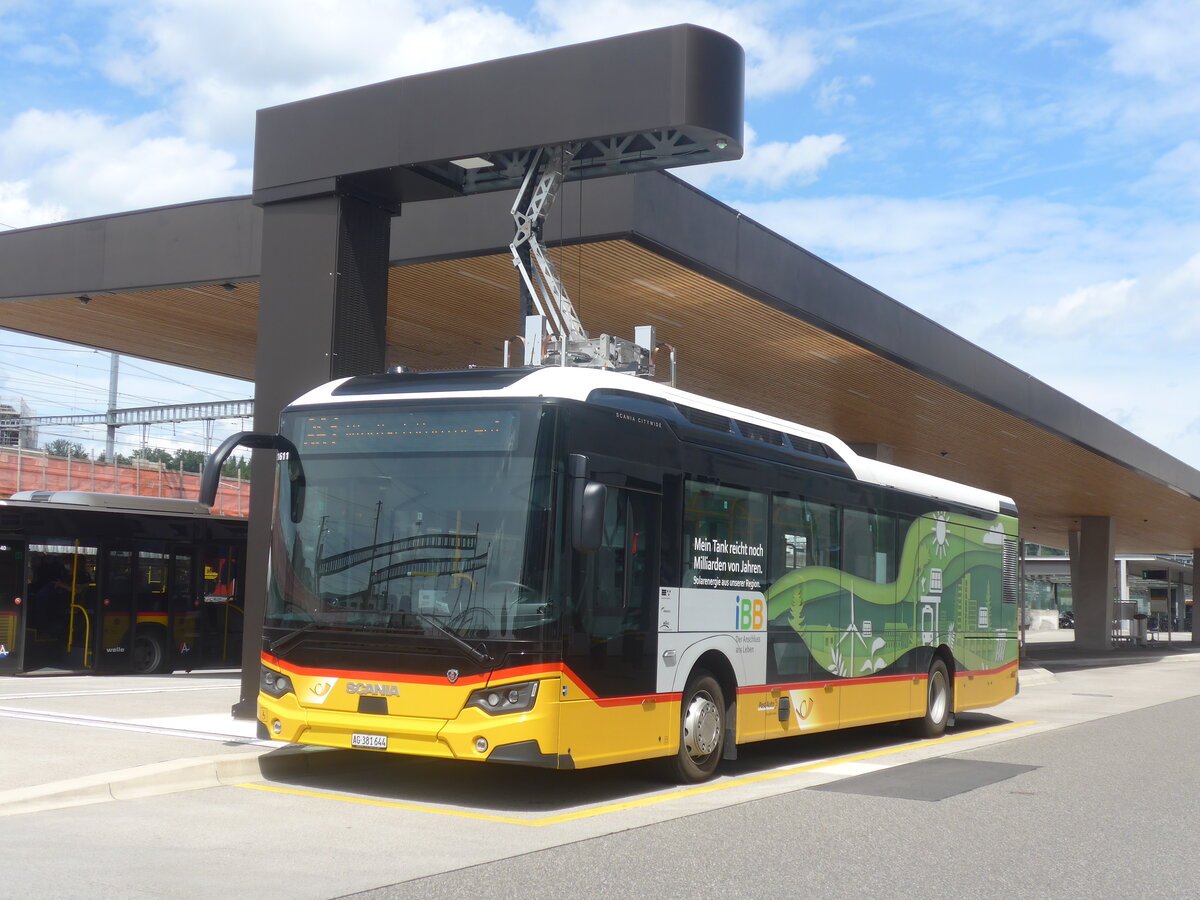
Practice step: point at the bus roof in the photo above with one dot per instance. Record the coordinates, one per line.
(580, 384)
(116, 502)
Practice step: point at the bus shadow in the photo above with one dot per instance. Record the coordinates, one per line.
(520, 791)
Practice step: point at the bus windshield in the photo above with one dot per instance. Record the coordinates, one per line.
(414, 520)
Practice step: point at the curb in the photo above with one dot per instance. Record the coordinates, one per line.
(162, 778)
(1028, 676)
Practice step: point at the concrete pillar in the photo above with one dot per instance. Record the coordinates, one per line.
(1183, 603)
(1092, 582)
(322, 315)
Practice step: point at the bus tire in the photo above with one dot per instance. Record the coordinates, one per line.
(937, 702)
(701, 730)
(149, 655)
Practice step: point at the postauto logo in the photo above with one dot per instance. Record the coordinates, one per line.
(750, 613)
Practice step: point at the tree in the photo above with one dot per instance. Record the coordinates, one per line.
(235, 468)
(63, 447)
(191, 461)
(172, 460)
(154, 455)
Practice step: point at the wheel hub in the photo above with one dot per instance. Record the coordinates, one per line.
(937, 698)
(701, 727)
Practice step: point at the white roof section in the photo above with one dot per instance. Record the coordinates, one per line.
(572, 383)
(115, 502)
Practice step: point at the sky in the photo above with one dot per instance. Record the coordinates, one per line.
(1027, 175)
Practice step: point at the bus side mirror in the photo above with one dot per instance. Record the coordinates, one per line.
(588, 519)
(298, 487)
(255, 440)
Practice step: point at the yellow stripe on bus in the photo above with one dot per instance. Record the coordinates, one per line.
(640, 802)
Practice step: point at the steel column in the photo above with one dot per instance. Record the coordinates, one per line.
(322, 315)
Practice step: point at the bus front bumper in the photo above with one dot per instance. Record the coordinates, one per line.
(529, 738)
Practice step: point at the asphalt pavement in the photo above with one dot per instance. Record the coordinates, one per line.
(76, 739)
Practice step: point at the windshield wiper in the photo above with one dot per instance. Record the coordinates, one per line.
(479, 654)
(288, 638)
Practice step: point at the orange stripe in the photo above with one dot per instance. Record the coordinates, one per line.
(407, 679)
(811, 685)
(874, 679)
(515, 672)
(1003, 668)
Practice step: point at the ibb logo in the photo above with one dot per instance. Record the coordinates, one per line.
(751, 614)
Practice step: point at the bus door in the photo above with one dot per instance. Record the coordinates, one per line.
(610, 639)
(135, 619)
(219, 602)
(12, 605)
(183, 611)
(59, 601)
(116, 609)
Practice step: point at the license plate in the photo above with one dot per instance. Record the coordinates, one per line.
(369, 741)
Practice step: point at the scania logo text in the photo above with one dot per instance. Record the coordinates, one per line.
(374, 690)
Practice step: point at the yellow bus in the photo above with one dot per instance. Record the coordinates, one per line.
(93, 582)
(566, 567)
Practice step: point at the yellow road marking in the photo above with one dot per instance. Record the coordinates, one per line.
(641, 801)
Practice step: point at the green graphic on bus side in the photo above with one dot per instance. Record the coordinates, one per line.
(948, 590)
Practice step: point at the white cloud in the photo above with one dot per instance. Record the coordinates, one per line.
(1079, 310)
(778, 58)
(919, 233)
(89, 165)
(59, 51)
(217, 76)
(205, 79)
(836, 92)
(18, 211)
(1158, 39)
(1176, 172)
(1160, 308)
(772, 164)
(1101, 303)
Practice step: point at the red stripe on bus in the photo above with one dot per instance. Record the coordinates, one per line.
(562, 668)
(874, 679)
(635, 700)
(395, 678)
(812, 685)
(515, 672)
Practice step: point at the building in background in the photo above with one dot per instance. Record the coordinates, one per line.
(23, 436)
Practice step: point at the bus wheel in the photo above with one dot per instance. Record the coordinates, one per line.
(149, 653)
(701, 730)
(937, 706)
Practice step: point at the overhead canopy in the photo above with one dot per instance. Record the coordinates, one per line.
(651, 100)
(755, 320)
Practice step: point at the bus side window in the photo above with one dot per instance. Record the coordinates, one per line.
(858, 544)
(872, 543)
(723, 529)
(803, 533)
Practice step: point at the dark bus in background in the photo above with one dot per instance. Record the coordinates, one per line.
(109, 583)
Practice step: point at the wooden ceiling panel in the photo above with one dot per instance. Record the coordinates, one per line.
(454, 313)
(203, 327)
(737, 349)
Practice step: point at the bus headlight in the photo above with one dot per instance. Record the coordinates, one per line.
(507, 698)
(274, 683)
